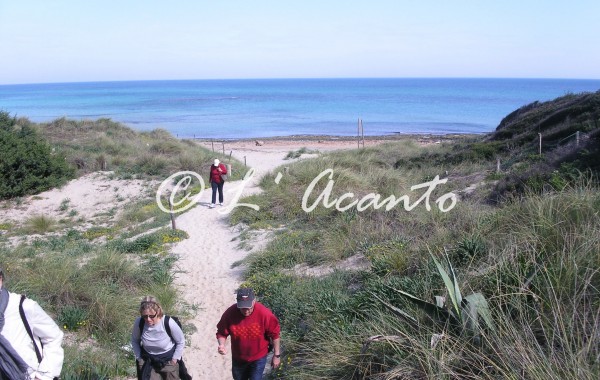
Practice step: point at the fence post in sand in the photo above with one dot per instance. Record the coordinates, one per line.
(577, 139)
(362, 131)
(173, 225)
(213, 145)
(358, 132)
(245, 161)
(229, 170)
(540, 149)
(498, 165)
(223, 147)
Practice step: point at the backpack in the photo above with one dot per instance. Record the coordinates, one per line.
(183, 372)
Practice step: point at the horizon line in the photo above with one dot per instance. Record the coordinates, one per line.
(296, 78)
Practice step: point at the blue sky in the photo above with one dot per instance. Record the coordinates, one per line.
(91, 40)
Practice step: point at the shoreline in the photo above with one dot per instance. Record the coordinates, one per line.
(285, 144)
(327, 137)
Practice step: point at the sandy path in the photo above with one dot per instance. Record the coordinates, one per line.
(206, 258)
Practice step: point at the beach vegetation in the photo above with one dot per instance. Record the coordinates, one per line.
(298, 153)
(92, 289)
(40, 224)
(105, 145)
(29, 165)
(64, 204)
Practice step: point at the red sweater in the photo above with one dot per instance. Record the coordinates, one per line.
(215, 174)
(249, 335)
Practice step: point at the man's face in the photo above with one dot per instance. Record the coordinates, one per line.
(246, 311)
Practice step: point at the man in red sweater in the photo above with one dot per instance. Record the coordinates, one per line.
(251, 326)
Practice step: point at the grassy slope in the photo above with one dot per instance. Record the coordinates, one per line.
(92, 280)
(534, 253)
(106, 145)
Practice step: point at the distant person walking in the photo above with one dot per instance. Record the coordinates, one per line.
(252, 327)
(157, 352)
(218, 174)
(36, 354)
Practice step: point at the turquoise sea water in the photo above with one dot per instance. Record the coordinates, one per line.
(284, 107)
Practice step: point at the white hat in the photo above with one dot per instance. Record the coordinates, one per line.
(216, 163)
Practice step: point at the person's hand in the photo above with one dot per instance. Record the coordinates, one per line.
(222, 349)
(174, 361)
(275, 362)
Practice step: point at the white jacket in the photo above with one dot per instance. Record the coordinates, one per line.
(45, 331)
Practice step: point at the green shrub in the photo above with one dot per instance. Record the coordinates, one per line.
(72, 318)
(64, 204)
(28, 164)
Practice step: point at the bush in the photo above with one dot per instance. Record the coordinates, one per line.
(28, 165)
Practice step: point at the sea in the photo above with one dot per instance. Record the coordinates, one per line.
(254, 108)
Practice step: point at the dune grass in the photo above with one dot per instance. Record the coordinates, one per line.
(92, 145)
(535, 258)
(91, 279)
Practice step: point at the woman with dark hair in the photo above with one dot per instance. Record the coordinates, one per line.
(156, 351)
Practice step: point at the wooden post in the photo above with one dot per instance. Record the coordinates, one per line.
(173, 225)
(223, 147)
(229, 170)
(498, 165)
(362, 131)
(577, 138)
(230, 153)
(358, 132)
(245, 161)
(540, 149)
(213, 145)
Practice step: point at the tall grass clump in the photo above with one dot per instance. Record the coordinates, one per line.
(40, 224)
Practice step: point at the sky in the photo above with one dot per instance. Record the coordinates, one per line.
(46, 41)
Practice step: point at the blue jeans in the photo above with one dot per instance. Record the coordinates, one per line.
(248, 370)
(216, 186)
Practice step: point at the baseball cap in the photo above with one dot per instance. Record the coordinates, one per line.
(245, 296)
(216, 163)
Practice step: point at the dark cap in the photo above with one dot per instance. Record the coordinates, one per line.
(245, 296)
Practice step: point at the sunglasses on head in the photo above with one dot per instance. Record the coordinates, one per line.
(148, 316)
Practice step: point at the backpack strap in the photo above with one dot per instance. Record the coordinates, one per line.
(141, 325)
(28, 328)
(167, 327)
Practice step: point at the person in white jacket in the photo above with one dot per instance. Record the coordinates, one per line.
(47, 337)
